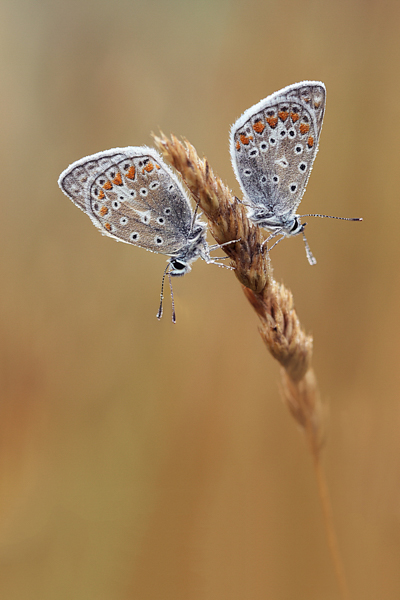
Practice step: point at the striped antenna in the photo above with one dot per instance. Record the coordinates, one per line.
(329, 217)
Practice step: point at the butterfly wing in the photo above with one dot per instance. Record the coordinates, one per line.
(132, 196)
(274, 143)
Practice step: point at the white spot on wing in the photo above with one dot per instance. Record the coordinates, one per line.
(145, 215)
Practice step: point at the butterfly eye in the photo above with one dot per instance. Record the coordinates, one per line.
(178, 265)
(294, 226)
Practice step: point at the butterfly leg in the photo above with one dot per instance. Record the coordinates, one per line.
(209, 260)
(215, 246)
(214, 261)
(269, 238)
(277, 242)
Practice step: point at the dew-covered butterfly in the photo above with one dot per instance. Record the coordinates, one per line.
(273, 146)
(132, 196)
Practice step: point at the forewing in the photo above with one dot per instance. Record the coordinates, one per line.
(132, 196)
(273, 146)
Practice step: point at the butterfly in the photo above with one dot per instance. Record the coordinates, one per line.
(273, 146)
(132, 196)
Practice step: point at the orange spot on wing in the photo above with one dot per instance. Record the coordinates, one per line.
(101, 195)
(149, 167)
(238, 145)
(107, 226)
(158, 167)
(244, 139)
(258, 126)
(317, 104)
(304, 128)
(272, 121)
(294, 116)
(103, 211)
(310, 142)
(283, 115)
(107, 185)
(117, 180)
(307, 99)
(131, 173)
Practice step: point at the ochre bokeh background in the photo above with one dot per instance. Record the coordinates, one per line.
(146, 461)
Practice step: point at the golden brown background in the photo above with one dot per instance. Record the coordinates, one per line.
(141, 460)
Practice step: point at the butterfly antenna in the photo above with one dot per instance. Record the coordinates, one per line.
(330, 217)
(160, 310)
(172, 298)
(311, 259)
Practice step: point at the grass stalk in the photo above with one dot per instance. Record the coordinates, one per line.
(280, 327)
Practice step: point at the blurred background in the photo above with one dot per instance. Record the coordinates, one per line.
(142, 460)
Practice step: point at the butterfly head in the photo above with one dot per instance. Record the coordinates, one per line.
(294, 226)
(179, 267)
(196, 246)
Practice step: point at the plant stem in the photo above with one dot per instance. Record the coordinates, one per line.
(280, 326)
